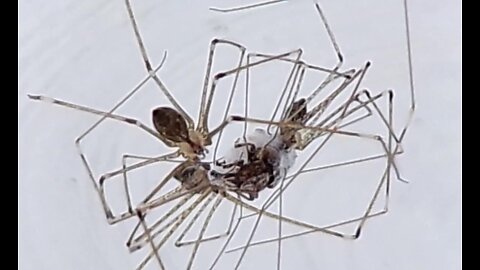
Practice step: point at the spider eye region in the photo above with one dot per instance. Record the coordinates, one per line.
(170, 124)
(197, 143)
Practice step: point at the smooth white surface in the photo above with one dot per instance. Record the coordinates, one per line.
(84, 52)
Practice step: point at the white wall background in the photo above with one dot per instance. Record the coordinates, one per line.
(84, 52)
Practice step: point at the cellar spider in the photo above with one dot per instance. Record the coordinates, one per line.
(314, 133)
(192, 149)
(392, 151)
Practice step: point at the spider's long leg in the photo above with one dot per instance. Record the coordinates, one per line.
(150, 241)
(225, 245)
(188, 227)
(125, 157)
(318, 110)
(389, 124)
(98, 122)
(319, 10)
(136, 242)
(150, 233)
(104, 114)
(283, 218)
(266, 3)
(247, 66)
(137, 165)
(297, 80)
(256, 63)
(246, 102)
(125, 178)
(359, 73)
(148, 66)
(177, 222)
(293, 81)
(165, 180)
(173, 210)
(310, 227)
(328, 122)
(112, 219)
(411, 84)
(298, 223)
(206, 103)
(203, 229)
(344, 74)
(267, 58)
(386, 178)
(410, 68)
(293, 93)
(203, 121)
(333, 75)
(280, 213)
(338, 116)
(330, 35)
(179, 242)
(294, 235)
(370, 100)
(221, 75)
(335, 120)
(290, 83)
(172, 193)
